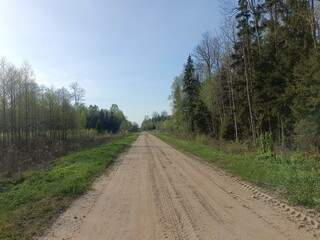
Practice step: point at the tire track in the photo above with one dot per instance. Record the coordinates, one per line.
(157, 192)
(184, 226)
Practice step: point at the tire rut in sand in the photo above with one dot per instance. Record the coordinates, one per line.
(231, 189)
(157, 192)
(174, 210)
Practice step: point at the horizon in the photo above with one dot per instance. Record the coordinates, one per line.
(120, 54)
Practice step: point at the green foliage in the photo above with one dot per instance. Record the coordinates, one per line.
(202, 118)
(266, 143)
(191, 90)
(306, 132)
(190, 112)
(166, 126)
(303, 188)
(35, 119)
(133, 127)
(177, 96)
(102, 120)
(30, 201)
(258, 75)
(298, 158)
(226, 129)
(157, 121)
(147, 124)
(209, 93)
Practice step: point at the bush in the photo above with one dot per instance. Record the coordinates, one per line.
(266, 143)
(227, 129)
(305, 134)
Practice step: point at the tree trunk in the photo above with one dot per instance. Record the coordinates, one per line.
(252, 124)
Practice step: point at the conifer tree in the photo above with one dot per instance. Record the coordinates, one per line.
(191, 88)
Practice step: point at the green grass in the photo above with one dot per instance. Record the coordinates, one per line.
(293, 177)
(30, 201)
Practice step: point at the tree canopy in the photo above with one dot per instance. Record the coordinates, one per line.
(258, 75)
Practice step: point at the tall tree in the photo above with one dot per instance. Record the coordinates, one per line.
(243, 57)
(191, 90)
(77, 94)
(177, 104)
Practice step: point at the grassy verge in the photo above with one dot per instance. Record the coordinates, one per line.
(295, 178)
(29, 202)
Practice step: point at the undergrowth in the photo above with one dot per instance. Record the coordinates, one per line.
(30, 201)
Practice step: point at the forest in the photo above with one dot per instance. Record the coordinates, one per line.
(254, 80)
(39, 123)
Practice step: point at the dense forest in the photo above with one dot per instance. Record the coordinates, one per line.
(40, 123)
(256, 79)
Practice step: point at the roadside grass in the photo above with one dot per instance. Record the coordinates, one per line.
(30, 201)
(293, 177)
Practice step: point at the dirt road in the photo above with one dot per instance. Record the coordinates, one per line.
(156, 192)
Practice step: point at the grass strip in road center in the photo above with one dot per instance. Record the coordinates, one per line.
(29, 202)
(293, 177)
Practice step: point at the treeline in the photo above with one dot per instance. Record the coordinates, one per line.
(155, 121)
(39, 123)
(256, 79)
(111, 121)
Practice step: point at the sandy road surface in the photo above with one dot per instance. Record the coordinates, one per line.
(156, 192)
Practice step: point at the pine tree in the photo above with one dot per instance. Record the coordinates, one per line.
(191, 89)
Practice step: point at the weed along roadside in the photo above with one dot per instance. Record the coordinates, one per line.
(29, 204)
(294, 178)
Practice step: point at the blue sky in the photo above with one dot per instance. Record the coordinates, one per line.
(121, 51)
